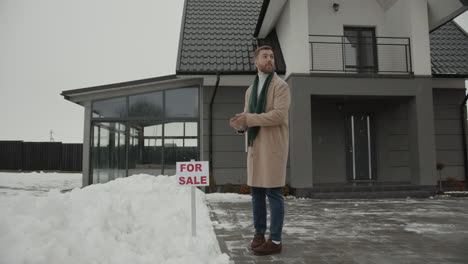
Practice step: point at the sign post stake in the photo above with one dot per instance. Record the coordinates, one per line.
(192, 174)
(194, 213)
(194, 210)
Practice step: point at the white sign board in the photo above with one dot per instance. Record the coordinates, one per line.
(194, 173)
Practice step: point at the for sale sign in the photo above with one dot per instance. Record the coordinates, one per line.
(194, 173)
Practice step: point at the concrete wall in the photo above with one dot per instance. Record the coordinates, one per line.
(292, 30)
(390, 128)
(328, 141)
(393, 141)
(229, 157)
(403, 19)
(448, 134)
(324, 20)
(418, 166)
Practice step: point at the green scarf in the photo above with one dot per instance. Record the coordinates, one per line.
(258, 106)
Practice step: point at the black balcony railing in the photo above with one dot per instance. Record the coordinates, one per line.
(350, 54)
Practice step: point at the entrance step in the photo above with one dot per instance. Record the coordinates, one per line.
(366, 192)
(372, 195)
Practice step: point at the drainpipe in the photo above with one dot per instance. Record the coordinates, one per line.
(211, 121)
(463, 124)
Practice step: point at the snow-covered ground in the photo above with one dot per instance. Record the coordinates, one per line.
(139, 219)
(37, 183)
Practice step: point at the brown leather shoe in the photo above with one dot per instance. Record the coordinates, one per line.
(268, 248)
(258, 240)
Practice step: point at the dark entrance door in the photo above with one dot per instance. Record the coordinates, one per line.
(360, 145)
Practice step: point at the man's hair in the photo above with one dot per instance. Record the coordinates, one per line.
(265, 47)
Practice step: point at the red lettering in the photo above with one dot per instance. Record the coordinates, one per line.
(182, 181)
(189, 180)
(190, 167)
(196, 180)
(203, 179)
(198, 167)
(182, 167)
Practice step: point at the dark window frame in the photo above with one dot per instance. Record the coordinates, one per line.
(361, 66)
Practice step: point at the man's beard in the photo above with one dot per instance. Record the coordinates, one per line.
(268, 68)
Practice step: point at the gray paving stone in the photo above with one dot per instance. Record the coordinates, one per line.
(353, 231)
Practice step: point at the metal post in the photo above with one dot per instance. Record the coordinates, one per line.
(194, 214)
(410, 59)
(194, 211)
(343, 55)
(354, 147)
(311, 56)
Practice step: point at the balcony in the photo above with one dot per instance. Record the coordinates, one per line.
(360, 54)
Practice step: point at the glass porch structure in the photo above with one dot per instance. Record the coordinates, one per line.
(139, 127)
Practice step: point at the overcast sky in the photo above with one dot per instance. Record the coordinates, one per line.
(49, 46)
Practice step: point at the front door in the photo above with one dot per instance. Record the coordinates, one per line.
(359, 145)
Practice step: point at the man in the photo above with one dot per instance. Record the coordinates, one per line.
(265, 119)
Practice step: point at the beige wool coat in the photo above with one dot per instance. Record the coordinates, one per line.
(268, 155)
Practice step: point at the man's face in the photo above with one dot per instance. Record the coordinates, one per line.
(265, 61)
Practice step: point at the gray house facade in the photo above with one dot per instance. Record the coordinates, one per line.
(375, 102)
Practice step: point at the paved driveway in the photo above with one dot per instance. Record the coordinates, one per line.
(352, 231)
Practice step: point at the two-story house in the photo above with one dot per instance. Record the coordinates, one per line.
(369, 115)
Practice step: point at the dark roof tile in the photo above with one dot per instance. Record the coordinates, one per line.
(218, 35)
(449, 50)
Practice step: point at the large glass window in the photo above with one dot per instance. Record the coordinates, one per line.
(110, 108)
(146, 105)
(182, 102)
(144, 133)
(178, 144)
(145, 154)
(108, 151)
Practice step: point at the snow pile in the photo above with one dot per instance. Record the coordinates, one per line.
(139, 219)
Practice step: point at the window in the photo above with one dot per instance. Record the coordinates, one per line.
(109, 108)
(360, 49)
(145, 155)
(146, 105)
(182, 102)
(108, 151)
(180, 142)
(144, 133)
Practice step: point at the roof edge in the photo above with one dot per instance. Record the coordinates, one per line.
(450, 75)
(460, 28)
(455, 15)
(221, 72)
(261, 17)
(181, 35)
(67, 93)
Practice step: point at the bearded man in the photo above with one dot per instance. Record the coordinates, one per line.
(265, 120)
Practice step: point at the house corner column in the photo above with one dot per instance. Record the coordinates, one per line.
(300, 136)
(86, 144)
(421, 136)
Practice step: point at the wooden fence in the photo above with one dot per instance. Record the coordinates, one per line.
(34, 156)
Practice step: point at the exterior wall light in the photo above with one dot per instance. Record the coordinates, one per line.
(336, 7)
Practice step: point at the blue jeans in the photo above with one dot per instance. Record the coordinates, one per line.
(275, 197)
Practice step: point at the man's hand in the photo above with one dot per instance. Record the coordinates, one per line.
(239, 122)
